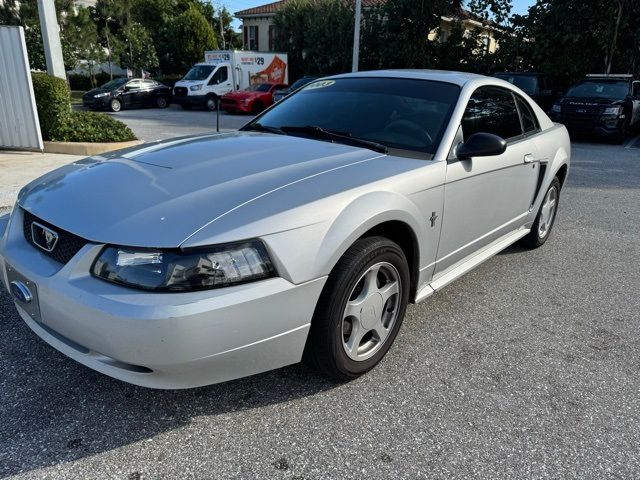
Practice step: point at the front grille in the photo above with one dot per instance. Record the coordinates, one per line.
(180, 91)
(580, 121)
(67, 246)
(578, 109)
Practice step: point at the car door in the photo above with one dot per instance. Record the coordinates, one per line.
(130, 94)
(220, 81)
(147, 93)
(487, 197)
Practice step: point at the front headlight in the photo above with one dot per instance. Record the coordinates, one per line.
(184, 271)
(612, 111)
(195, 88)
(556, 108)
(103, 94)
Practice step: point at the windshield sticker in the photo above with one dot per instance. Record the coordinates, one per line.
(320, 84)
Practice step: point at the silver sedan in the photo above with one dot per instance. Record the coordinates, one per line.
(303, 236)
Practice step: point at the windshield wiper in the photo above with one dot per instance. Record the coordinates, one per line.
(258, 127)
(319, 132)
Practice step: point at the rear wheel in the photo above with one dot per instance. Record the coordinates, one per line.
(115, 105)
(360, 310)
(161, 102)
(543, 224)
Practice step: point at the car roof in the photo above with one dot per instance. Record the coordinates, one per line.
(457, 78)
(517, 74)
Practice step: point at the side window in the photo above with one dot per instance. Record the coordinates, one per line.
(529, 119)
(491, 110)
(134, 84)
(221, 76)
(148, 83)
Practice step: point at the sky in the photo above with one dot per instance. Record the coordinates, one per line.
(519, 6)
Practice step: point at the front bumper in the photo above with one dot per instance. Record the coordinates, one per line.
(96, 103)
(597, 125)
(190, 100)
(235, 106)
(157, 340)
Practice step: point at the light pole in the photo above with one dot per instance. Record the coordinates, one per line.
(356, 37)
(51, 38)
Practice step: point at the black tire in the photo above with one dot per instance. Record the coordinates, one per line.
(325, 349)
(211, 103)
(115, 105)
(535, 238)
(257, 107)
(161, 101)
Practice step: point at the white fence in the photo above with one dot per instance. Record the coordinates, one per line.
(19, 126)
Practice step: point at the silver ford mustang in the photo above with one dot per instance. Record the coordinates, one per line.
(302, 236)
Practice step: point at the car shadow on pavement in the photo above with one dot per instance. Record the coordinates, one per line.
(54, 410)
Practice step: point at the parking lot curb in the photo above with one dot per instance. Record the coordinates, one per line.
(87, 148)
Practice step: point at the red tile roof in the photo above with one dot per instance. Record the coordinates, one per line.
(271, 8)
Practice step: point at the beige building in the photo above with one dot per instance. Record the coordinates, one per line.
(258, 26)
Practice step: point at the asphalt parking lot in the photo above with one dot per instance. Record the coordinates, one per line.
(151, 124)
(527, 367)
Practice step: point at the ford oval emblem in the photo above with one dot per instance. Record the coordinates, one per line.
(20, 292)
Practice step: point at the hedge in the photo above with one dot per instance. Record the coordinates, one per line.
(83, 82)
(91, 127)
(53, 100)
(59, 123)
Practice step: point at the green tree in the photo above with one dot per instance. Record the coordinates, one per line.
(318, 36)
(136, 50)
(187, 37)
(568, 38)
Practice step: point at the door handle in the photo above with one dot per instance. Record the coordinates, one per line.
(528, 158)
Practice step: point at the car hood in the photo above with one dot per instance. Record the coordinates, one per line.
(158, 195)
(95, 91)
(590, 101)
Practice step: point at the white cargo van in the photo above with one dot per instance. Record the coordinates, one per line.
(224, 71)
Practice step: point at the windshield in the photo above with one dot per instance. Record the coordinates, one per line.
(600, 89)
(398, 113)
(259, 87)
(115, 83)
(301, 83)
(199, 72)
(526, 83)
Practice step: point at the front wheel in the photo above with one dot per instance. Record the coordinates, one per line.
(360, 310)
(541, 228)
(115, 105)
(161, 102)
(212, 103)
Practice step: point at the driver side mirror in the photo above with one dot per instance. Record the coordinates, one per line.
(481, 145)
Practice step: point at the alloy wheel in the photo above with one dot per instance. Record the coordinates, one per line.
(371, 311)
(548, 212)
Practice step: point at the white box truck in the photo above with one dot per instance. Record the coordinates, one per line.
(224, 71)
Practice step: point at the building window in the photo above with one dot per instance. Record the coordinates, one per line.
(251, 38)
(271, 38)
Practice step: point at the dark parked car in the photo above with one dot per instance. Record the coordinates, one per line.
(280, 94)
(537, 85)
(122, 93)
(605, 105)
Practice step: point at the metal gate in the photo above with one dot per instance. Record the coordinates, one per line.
(19, 125)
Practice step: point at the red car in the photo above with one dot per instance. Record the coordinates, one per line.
(252, 100)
